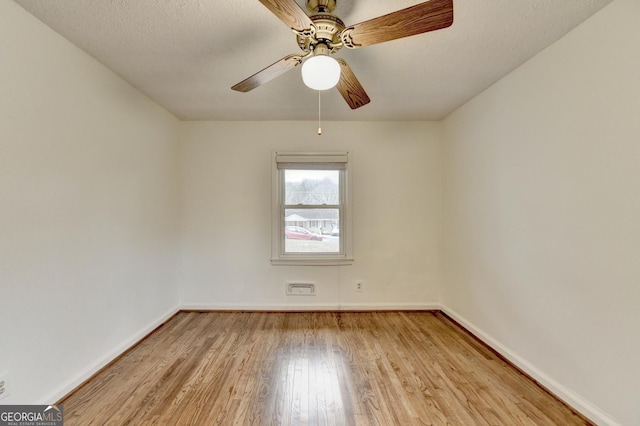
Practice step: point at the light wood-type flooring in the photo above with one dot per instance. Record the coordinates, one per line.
(319, 368)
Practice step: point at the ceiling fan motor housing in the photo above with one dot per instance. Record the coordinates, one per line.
(328, 28)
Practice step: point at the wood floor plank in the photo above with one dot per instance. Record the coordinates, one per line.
(313, 368)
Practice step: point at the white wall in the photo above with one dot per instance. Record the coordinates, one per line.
(226, 219)
(542, 214)
(88, 191)
(541, 236)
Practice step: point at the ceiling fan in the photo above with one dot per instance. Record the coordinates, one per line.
(321, 34)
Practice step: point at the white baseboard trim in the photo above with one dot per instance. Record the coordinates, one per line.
(81, 377)
(574, 400)
(304, 307)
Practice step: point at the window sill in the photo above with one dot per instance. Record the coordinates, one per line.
(311, 262)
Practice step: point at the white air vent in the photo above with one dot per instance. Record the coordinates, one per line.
(301, 289)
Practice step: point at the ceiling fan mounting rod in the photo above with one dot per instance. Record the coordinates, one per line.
(321, 6)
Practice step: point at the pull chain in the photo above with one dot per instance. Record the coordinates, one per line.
(319, 114)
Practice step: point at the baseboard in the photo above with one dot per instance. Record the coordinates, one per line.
(571, 398)
(83, 376)
(305, 307)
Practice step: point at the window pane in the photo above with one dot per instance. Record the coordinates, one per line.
(312, 187)
(311, 231)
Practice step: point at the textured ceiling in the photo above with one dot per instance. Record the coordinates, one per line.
(186, 54)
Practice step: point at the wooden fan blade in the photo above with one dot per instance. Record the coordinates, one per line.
(350, 88)
(290, 13)
(269, 73)
(424, 17)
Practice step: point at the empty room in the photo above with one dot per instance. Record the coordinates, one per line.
(202, 225)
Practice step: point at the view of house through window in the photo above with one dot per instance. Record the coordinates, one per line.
(311, 211)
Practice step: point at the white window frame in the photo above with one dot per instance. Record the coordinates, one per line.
(314, 160)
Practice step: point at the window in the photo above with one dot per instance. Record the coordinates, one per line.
(311, 214)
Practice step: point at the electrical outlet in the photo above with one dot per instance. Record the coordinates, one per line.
(359, 286)
(4, 386)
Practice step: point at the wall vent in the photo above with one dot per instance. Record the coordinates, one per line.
(301, 289)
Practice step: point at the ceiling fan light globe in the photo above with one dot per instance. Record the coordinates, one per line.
(320, 72)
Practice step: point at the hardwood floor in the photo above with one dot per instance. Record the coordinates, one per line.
(321, 368)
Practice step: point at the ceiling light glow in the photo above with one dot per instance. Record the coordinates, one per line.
(320, 72)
